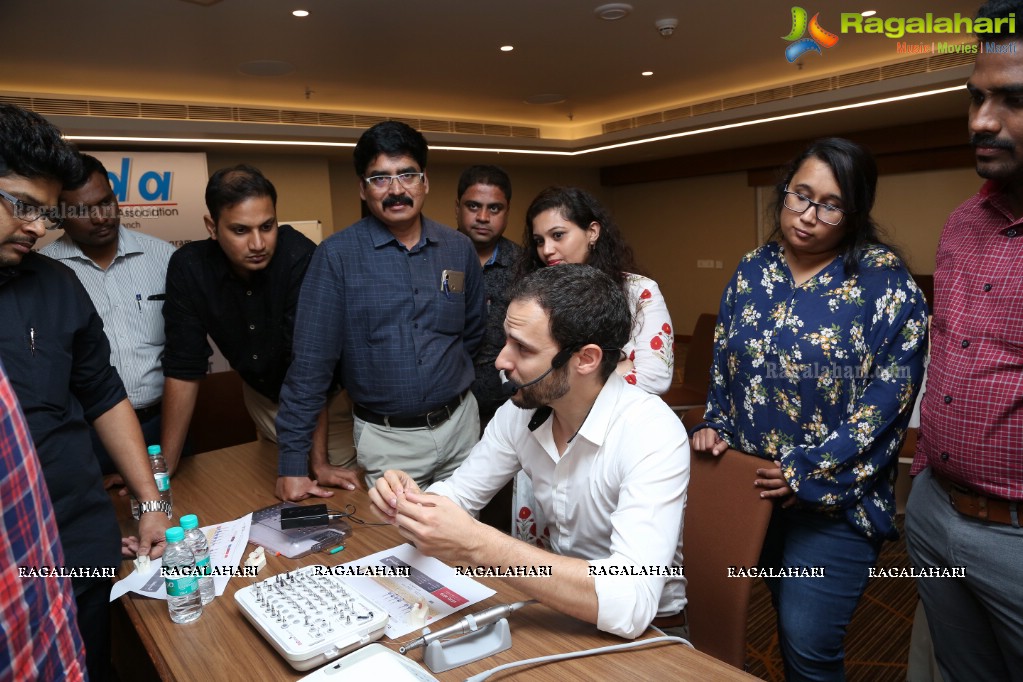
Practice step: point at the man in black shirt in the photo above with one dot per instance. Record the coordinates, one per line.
(241, 287)
(58, 360)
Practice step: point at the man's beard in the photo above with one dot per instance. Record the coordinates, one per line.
(554, 386)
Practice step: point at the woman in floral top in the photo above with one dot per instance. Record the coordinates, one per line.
(818, 357)
(568, 225)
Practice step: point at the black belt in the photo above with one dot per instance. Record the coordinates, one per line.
(430, 420)
(144, 414)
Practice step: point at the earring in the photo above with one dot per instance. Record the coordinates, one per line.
(593, 246)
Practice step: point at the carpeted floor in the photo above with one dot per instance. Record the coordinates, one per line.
(877, 642)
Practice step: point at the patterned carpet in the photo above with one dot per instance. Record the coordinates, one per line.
(877, 642)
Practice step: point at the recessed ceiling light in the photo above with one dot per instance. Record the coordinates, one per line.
(507, 48)
(868, 13)
(301, 13)
(613, 11)
(647, 73)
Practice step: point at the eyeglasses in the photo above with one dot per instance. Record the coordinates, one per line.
(407, 180)
(31, 213)
(826, 213)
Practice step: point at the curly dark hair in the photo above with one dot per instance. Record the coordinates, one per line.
(610, 254)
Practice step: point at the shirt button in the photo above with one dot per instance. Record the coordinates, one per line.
(944, 457)
(248, 293)
(415, 291)
(252, 326)
(1011, 233)
(415, 325)
(420, 362)
(255, 356)
(948, 399)
(987, 287)
(966, 343)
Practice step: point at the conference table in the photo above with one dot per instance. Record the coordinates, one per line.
(226, 484)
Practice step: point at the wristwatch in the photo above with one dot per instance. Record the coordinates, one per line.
(155, 506)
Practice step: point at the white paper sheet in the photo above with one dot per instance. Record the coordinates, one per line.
(227, 544)
(431, 581)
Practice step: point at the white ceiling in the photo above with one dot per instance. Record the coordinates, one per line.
(441, 59)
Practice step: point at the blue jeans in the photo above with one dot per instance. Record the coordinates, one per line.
(976, 621)
(813, 612)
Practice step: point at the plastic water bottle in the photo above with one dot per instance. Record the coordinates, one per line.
(159, 466)
(183, 600)
(196, 541)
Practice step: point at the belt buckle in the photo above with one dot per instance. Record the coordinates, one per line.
(443, 414)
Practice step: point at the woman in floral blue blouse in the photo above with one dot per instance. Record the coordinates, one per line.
(818, 356)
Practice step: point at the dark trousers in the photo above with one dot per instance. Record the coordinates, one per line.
(94, 624)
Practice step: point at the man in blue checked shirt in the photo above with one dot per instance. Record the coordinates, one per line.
(395, 304)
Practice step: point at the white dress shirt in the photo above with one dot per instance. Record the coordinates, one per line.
(615, 497)
(133, 322)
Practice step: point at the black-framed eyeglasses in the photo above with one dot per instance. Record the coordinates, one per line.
(826, 213)
(407, 180)
(30, 213)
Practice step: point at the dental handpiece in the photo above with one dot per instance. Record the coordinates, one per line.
(470, 623)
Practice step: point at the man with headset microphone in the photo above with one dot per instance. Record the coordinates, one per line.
(609, 465)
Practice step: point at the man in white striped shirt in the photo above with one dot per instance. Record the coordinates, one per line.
(125, 274)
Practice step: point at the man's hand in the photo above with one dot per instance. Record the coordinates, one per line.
(775, 485)
(438, 527)
(337, 477)
(384, 494)
(152, 534)
(295, 488)
(708, 440)
(130, 547)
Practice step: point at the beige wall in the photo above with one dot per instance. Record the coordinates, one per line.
(302, 182)
(672, 224)
(669, 224)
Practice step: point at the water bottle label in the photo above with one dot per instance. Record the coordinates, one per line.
(162, 482)
(181, 587)
(202, 566)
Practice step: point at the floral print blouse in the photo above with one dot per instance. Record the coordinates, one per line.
(822, 377)
(651, 344)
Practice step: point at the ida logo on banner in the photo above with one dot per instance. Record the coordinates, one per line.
(819, 36)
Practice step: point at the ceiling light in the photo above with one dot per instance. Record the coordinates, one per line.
(509, 150)
(507, 48)
(613, 11)
(868, 13)
(647, 73)
(301, 13)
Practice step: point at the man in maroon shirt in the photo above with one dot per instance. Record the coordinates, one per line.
(964, 509)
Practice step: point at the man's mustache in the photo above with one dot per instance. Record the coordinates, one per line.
(396, 200)
(990, 141)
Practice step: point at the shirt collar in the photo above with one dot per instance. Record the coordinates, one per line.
(64, 248)
(493, 256)
(381, 236)
(992, 196)
(598, 422)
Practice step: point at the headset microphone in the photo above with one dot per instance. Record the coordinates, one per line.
(510, 388)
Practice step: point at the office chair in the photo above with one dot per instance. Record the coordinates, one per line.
(692, 392)
(725, 524)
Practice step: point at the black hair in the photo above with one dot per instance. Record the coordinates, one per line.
(30, 146)
(485, 175)
(391, 138)
(90, 166)
(610, 254)
(856, 174)
(583, 306)
(230, 186)
(1002, 9)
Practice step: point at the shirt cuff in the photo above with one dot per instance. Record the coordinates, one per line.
(620, 610)
(292, 466)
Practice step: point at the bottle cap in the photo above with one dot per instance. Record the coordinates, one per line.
(175, 534)
(153, 450)
(189, 522)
